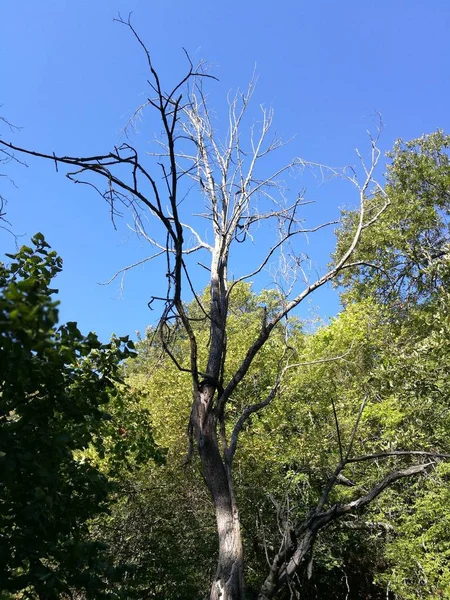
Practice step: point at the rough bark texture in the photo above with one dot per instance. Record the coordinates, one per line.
(228, 583)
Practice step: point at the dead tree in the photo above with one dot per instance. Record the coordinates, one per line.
(236, 199)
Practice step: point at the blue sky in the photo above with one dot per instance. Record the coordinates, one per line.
(70, 77)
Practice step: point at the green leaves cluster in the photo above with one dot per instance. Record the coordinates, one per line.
(407, 254)
(54, 384)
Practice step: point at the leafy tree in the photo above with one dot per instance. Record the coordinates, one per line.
(417, 373)
(418, 553)
(54, 383)
(406, 256)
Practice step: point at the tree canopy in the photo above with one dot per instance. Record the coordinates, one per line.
(54, 386)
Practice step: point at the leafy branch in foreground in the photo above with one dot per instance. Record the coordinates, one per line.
(54, 386)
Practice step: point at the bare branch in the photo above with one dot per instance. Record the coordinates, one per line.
(355, 427)
(378, 455)
(380, 487)
(338, 431)
(331, 274)
(278, 245)
(344, 460)
(250, 410)
(132, 266)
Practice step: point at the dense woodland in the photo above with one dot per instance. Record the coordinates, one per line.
(235, 451)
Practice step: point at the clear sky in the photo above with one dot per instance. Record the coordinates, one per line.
(70, 77)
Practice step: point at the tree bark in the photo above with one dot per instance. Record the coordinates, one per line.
(228, 583)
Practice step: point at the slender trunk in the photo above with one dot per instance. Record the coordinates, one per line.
(228, 583)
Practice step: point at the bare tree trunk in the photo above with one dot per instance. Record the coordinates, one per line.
(228, 583)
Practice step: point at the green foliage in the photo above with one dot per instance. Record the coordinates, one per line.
(292, 448)
(162, 526)
(419, 554)
(409, 245)
(54, 383)
(288, 451)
